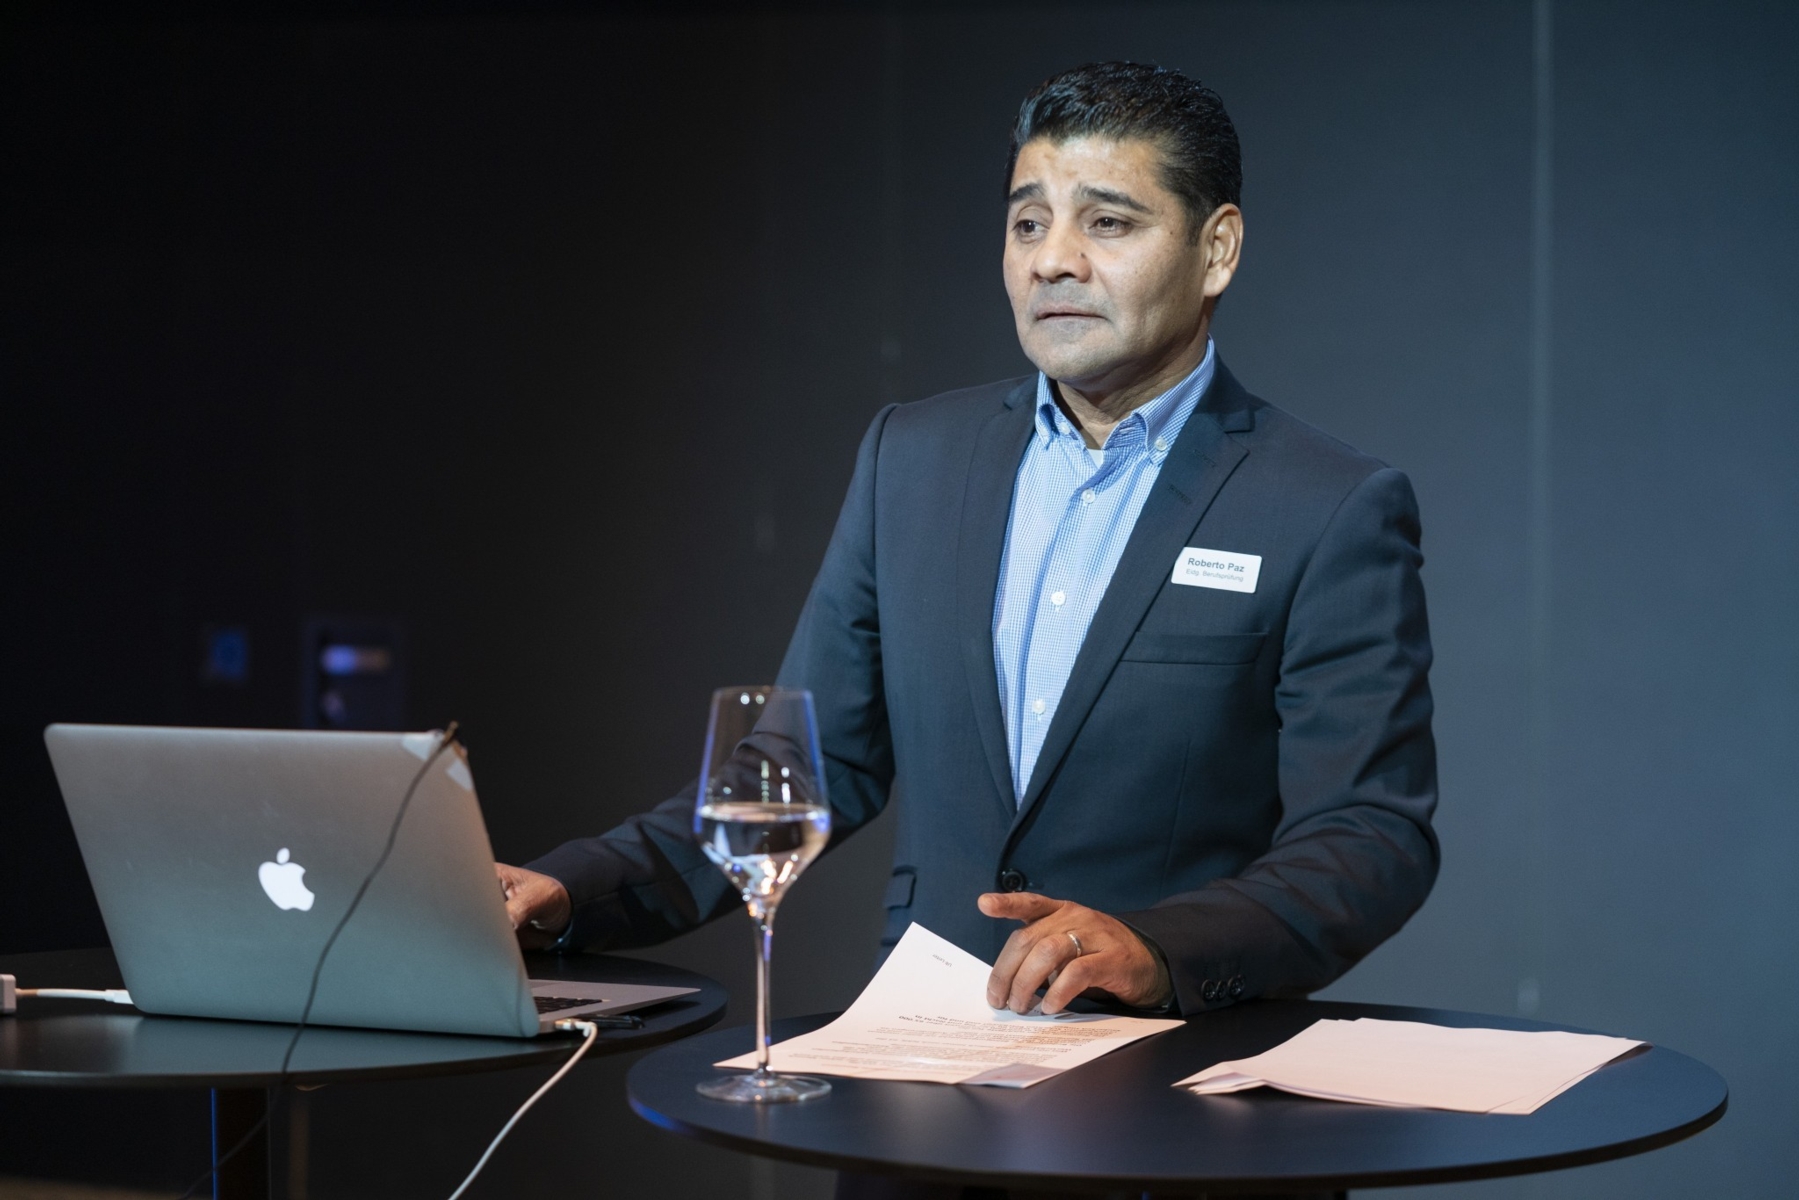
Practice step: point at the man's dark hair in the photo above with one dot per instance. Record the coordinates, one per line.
(1184, 118)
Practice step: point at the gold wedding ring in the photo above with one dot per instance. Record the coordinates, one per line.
(1078, 949)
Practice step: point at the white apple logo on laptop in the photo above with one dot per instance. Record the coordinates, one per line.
(281, 880)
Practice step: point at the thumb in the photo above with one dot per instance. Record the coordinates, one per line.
(1019, 906)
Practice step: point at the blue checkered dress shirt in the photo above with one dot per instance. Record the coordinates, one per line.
(1072, 513)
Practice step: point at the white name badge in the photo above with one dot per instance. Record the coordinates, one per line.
(1217, 569)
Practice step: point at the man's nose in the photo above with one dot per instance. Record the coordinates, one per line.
(1061, 255)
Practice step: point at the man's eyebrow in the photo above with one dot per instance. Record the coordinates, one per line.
(1108, 196)
(1025, 191)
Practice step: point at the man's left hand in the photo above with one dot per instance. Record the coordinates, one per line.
(1104, 955)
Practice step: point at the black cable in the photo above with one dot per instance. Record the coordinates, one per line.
(393, 833)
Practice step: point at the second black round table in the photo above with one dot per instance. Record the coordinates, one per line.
(1117, 1124)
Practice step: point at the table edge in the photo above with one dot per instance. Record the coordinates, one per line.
(1563, 1160)
(535, 1051)
(1282, 1183)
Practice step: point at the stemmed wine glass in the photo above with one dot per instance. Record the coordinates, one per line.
(761, 816)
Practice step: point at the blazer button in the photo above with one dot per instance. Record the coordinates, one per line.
(1011, 880)
(1236, 987)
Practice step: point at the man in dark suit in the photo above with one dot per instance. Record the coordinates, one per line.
(1144, 657)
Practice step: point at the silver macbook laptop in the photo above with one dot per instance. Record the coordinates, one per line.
(223, 858)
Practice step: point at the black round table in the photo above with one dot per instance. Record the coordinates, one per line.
(72, 1043)
(1117, 1124)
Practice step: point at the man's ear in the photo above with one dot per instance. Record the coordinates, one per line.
(1221, 240)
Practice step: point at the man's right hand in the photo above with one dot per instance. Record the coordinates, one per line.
(538, 905)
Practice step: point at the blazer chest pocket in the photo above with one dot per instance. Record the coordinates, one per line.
(1221, 648)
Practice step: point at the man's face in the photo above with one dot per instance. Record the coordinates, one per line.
(1107, 288)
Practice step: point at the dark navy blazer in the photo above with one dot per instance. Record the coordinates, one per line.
(1246, 778)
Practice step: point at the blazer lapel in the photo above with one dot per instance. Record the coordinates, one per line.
(1202, 458)
(986, 511)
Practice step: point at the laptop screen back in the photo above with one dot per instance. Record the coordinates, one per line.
(223, 858)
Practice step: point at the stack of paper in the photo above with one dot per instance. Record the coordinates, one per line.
(924, 1016)
(1408, 1064)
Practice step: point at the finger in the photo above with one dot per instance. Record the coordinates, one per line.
(999, 980)
(1045, 957)
(526, 898)
(1018, 906)
(1011, 956)
(549, 905)
(518, 907)
(1078, 976)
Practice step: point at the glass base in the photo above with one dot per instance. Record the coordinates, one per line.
(760, 1087)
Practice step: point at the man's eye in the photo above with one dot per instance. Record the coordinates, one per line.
(1109, 225)
(1026, 228)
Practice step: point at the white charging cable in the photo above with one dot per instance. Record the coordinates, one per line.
(10, 991)
(589, 1031)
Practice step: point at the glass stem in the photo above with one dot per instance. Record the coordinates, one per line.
(765, 932)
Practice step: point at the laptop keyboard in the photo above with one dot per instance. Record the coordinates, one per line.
(546, 1004)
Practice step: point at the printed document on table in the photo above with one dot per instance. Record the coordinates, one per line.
(924, 1016)
(1409, 1064)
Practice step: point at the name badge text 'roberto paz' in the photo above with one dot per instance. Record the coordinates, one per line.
(1217, 569)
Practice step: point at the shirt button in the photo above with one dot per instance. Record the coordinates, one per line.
(1059, 599)
(1087, 497)
(1161, 444)
(1037, 706)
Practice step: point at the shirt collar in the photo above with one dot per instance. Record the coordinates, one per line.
(1162, 419)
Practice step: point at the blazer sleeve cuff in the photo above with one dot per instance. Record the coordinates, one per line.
(1221, 948)
(596, 922)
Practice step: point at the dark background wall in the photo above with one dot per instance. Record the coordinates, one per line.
(549, 335)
